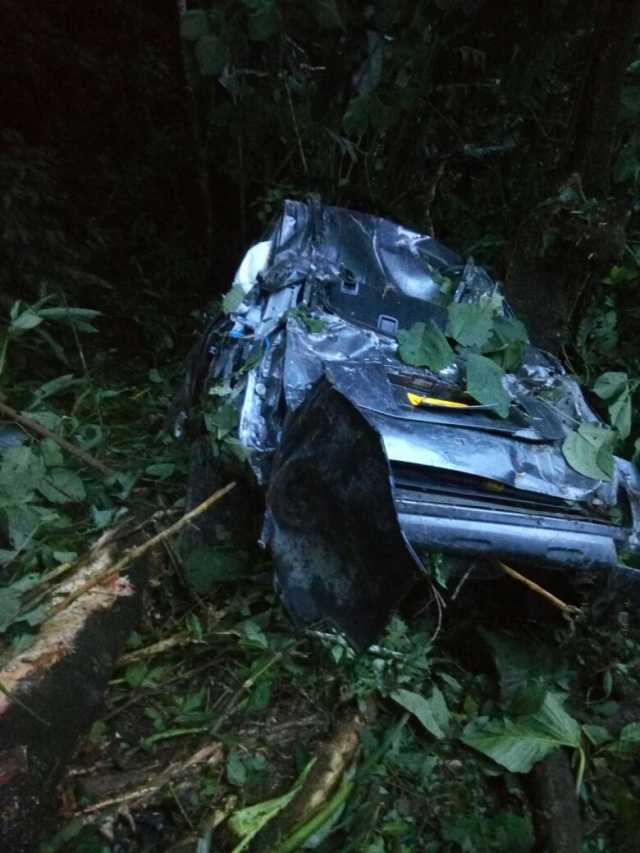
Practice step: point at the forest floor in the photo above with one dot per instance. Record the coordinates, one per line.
(219, 705)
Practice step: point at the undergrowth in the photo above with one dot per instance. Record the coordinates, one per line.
(458, 704)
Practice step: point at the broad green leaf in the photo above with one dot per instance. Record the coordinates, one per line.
(470, 324)
(212, 55)
(521, 744)
(20, 471)
(252, 636)
(51, 453)
(28, 319)
(232, 300)
(620, 414)
(506, 343)
(247, 822)
(22, 521)
(193, 24)
(62, 486)
(485, 383)
(223, 421)
(588, 451)
(628, 740)
(597, 735)
(610, 384)
(425, 346)
(9, 606)
(427, 711)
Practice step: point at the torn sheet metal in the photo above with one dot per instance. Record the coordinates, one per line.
(356, 477)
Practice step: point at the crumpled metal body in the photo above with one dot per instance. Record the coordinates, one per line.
(356, 478)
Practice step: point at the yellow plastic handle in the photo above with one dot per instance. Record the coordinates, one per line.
(419, 400)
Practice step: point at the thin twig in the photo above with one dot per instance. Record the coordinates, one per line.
(296, 129)
(139, 550)
(33, 426)
(21, 704)
(534, 587)
(461, 583)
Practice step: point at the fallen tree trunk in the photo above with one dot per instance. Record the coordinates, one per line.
(52, 692)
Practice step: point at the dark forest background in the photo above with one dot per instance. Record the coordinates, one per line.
(143, 146)
(141, 154)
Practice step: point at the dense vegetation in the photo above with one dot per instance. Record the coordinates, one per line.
(142, 151)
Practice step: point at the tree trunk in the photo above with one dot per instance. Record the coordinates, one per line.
(559, 251)
(617, 24)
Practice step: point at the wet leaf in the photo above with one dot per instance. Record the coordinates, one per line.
(62, 486)
(470, 324)
(588, 451)
(236, 769)
(610, 384)
(232, 300)
(484, 383)
(425, 346)
(432, 713)
(519, 745)
(620, 414)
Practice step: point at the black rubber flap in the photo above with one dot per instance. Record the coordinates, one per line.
(338, 548)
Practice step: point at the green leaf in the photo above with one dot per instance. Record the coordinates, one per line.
(51, 453)
(588, 451)
(503, 832)
(484, 383)
(628, 741)
(206, 567)
(193, 24)
(522, 670)
(28, 319)
(212, 55)
(136, 673)
(519, 745)
(22, 521)
(20, 471)
(611, 384)
(432, 713)
(62, 486)
(425, 346)
(264, 22)
(236, 769)
(9, 606)
(620, 414)
(470, 324)
(247, 822)
(68, 313)
(161, 470)
(223, 421)
(252, 636)
(597, 735)
(232, 300)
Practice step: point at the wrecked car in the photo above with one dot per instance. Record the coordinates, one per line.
(389, 403)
